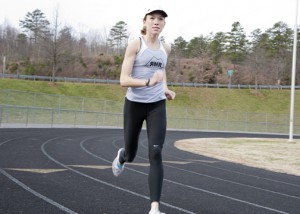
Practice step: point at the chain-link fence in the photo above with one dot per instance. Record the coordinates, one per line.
(42, 100)
(28, 109)
(16, 116)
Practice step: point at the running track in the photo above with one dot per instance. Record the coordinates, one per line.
(69, 171)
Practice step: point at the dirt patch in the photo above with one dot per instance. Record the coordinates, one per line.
(52, 84)
(277, 155)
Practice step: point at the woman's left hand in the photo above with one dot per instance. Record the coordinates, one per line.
(170, 94)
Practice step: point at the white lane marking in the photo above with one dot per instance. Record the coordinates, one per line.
(228, 197)
(206, 191)
(27, 188)
(233, 171)
(8, 140)
(42, 171)
(233, 182)
(91, 166)
(104, 182)
(228, 181)
(178, 162)
(31, 190)
(225, 180)
(250, 186)
(171, 182)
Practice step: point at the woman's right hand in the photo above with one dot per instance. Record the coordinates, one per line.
(157, 77)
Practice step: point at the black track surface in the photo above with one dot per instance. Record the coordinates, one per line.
(69, 171)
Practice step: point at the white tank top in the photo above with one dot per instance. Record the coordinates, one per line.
(148, 61)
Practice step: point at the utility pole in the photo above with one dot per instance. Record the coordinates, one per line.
(293, 78)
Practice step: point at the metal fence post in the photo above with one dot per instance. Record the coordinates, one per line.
(246, 122)
(97, 118)
(52, 118)
(59, 108)
(27, 112)
(59, 102)
(82, 104)
(207, 118)
(104, 116)
(75, 118)
(266, 122)
(227, 120)
(186, 119)
(34, 99)
(1, 113)
(7, 98)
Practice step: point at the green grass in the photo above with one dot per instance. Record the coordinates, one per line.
(245, 100)
(99, 91)
(204, 99)
(194, 108)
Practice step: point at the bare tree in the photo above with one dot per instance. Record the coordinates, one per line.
(58, 43)
(8, 36)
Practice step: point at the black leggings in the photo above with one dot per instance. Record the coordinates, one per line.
(155, 115)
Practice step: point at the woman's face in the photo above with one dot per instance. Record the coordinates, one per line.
(154, 23)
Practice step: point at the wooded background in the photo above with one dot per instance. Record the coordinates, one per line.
(41, 47)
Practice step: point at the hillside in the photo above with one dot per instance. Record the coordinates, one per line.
(243, 100)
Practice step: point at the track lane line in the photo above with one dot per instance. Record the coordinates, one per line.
(225, 180)
(27, 188)
(104, 182)
(230, 171)
(196, 188)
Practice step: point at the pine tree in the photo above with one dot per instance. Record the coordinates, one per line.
(236, 47)
(118, 36)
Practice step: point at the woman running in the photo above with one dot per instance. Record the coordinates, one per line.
(143, 72)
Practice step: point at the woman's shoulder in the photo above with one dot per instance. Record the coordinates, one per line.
(134, 44)
(167, 47)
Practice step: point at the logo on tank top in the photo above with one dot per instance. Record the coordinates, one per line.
(155, 63)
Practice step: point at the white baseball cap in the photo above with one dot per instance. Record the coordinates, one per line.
(158, 9)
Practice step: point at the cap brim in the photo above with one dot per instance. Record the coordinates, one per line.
(159, 11)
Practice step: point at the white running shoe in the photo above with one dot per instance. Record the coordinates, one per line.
(117, 168)
(156, 212)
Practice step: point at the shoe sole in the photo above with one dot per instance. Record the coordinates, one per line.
(117, 159)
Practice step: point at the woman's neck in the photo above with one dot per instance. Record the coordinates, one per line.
(152, 41)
